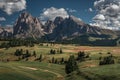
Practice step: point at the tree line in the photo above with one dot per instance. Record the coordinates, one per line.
(17, 42)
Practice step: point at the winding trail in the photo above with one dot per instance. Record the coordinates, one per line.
(59, 76)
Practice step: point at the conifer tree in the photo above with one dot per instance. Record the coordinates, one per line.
(71, 65)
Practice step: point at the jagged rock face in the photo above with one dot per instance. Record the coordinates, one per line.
(1, 30)
(58, 20)
(27, 26)
(72, 27)
(6, 32)
(49, 27)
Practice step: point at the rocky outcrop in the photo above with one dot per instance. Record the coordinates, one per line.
(6, 32)
(49, 27)
(27, 26)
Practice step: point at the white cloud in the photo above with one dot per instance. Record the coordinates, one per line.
(90, 9)
(11, 6)
(99, 17)
(52, 12)
(108, 13)
(2, 19)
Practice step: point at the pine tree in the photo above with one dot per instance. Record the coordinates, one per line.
(53, 60)
(18, 52)
(34, 54)
(71, 65)
(40, 58)
(61, 51)
(51, 51)
(81, 56)
(62, 60)
(56, 61)
(27, 54)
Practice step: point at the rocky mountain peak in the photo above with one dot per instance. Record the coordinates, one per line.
(27, 26)
(6, 32)
(49, 26)
(58, 20)
(76, 20)
(72, 27)
(25, 15)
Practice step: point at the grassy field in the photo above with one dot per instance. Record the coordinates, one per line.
(30, 71)
(34, 70)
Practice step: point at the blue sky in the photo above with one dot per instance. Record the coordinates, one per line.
(35, 7)
(102, 13)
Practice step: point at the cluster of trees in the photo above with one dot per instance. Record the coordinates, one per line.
(71, 65)
(81, 56)
(107, 60)
(53, 51)
(24, 55)
(57, 61)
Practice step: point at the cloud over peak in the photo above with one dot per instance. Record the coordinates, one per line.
(99, 17)
(52, 12)
(11, 6)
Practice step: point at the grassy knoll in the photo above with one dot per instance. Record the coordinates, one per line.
(106, 72)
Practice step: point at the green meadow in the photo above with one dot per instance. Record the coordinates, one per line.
(35, 70)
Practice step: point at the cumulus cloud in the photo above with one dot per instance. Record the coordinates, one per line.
(52, 12)
(108, 13)
(2, 19)
(99, 17)
(11, 6)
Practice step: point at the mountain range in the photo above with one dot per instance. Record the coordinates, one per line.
(27, 26)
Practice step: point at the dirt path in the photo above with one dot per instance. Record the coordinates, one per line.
(44, 70)
(28, 68)
(57, 74)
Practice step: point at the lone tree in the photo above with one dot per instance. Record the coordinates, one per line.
(71, 65)
(62, 61)
(56, 61)
(53, 60)
(40, 58)
(34, 54)
(27, 54)
(18, 52)
(61, 51)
